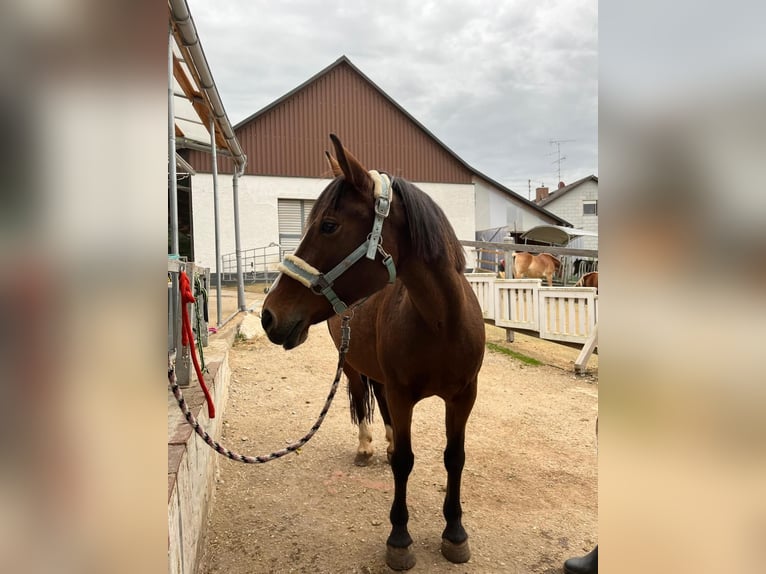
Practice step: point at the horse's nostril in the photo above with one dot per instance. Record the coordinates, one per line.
(267, 319)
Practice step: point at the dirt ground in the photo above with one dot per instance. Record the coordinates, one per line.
(529, 484)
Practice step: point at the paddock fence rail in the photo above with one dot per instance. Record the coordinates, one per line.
(562, 313)
(567, 314)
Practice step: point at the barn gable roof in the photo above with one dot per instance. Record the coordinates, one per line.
(314, 78)
(343, 60)
(275, 149)
(566, 189)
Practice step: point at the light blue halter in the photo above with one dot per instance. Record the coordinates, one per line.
(322, 283)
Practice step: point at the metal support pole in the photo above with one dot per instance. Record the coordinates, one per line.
(218, 301)
(237, 245)
(173, 199)
(172, 153)
(508, 255)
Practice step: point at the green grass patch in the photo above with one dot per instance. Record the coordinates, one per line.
(239, 339)
(518, 356)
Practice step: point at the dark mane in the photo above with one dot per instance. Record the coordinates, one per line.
(433, 238)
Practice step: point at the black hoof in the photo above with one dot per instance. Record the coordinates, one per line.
(362, 459)
(456, 553)
(399, 558)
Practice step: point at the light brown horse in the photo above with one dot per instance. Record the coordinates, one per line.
(419, 335)
(535, 266)
(588, 280)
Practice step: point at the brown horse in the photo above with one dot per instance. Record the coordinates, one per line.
(417, 326)
(535, 266)
(588, 280)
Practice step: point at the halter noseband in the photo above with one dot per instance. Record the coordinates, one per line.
(321, 283)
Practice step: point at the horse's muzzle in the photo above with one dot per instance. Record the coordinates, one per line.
(289, 334)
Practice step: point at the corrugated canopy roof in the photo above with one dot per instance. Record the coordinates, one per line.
(187, 119)
(555, 234)
(195, 96)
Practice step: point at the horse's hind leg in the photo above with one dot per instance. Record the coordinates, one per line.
(361, 406)
(380, 394)
(454, 538)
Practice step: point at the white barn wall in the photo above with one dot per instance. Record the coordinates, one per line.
(457, 201)
(495, 208)
(483, 209)
(258, 218)
(258, 221)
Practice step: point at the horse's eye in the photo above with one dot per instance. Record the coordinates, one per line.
(328, 227)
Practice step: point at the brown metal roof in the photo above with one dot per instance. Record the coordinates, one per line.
(287, 137)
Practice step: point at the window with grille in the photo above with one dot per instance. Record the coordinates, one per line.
(590, 208)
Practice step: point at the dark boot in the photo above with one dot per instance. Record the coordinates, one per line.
(587, 564)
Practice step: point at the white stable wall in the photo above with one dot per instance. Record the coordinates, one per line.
(495, 208)
(258, 219)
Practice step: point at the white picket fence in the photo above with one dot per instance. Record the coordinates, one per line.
(568, 314)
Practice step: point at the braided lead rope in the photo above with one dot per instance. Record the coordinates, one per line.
(294, 447)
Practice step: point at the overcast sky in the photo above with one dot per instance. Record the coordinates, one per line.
(494, 80)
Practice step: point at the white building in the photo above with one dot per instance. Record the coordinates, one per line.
(286, 169)
(577, 203)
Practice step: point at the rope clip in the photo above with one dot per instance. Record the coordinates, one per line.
(345, 332)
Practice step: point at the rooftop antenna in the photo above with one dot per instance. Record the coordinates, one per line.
(559, 159)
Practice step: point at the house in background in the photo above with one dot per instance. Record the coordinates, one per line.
(287, 170)
(577, 203)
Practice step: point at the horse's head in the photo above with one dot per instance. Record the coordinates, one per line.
(341, 258)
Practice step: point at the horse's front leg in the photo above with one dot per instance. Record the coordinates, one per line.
(455, 546)
(399, 555)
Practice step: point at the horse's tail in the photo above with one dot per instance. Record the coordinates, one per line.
(360, 396)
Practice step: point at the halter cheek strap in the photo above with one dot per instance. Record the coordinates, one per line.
(382, 193)
(321, 283)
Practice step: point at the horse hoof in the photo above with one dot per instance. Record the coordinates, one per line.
(399, 558)
(456, 553)
(362, 458)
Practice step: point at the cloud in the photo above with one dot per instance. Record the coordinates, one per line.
(495, 81)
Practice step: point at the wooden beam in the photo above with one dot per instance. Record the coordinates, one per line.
(195, 97)
(587, 351)
(192, 94)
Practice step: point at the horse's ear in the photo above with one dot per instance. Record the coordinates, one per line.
(354, 172)
(334, 165)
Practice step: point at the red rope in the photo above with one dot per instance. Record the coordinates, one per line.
(187, 338)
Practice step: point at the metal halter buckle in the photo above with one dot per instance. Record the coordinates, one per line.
(319, 284)
(382, 206)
